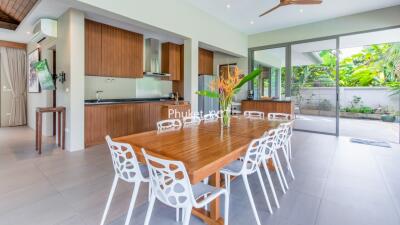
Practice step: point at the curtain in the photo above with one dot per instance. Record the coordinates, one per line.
(13, 62)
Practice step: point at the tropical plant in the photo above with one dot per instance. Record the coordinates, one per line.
(225, 87)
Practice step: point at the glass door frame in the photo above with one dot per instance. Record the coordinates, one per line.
(289, 71)
(288, 45)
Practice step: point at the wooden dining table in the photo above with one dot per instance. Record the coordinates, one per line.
(204, 149)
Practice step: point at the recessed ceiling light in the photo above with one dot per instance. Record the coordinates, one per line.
(28, 32)
(252, 22)
(228, 6)
(301, 10)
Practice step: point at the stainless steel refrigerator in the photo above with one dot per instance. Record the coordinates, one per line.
(207, 104)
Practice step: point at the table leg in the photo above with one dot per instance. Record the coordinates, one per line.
(270, 165)
(64, 114)
(215, 180)
(39, 130)
(59, 129)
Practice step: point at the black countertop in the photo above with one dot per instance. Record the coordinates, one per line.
(128, 100)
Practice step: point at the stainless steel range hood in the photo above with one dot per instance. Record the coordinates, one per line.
(153, 58)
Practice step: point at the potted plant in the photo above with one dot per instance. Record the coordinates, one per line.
(225, 87)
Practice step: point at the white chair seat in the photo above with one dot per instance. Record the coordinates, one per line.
(201, 189)
(233, 168)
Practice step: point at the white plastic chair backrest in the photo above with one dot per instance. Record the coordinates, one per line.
(169, 181)
(270, 141)
(191, 120)
(169, 124)
(124, 160)
(279, 116)
(253, 156)
(254, 114)
(210, 117)
(284, 132)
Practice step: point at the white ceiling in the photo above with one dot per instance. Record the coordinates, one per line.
(241, 12)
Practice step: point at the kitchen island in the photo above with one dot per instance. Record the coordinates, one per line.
(269, 106)
(119, 117)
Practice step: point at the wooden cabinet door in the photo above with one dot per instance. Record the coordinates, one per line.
(111, 51)
(93, 48)
(206, 62)
(117, 125)
(95, 124)
(138, 118)
(171, 60)
(154, 114)
(131, 54)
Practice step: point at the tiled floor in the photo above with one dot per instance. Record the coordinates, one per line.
(337, 182)
(351, 127)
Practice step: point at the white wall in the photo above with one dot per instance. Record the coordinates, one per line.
(377, 19)
(370, 96)
(71, 60)
(179, 17)
(44, 98)
(116, 88)
(242, 63)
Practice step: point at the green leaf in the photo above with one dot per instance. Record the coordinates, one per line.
(248, 78)
(207, 93)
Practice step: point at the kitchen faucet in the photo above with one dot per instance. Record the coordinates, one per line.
(98, 95)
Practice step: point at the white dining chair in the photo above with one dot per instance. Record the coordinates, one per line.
(279, 116)
(210, 117)
(170, 184)
(191, 121)
(250, 164)
(271, 154)
(128, 169)
(283, 135)
(253, 114)
(171, 124)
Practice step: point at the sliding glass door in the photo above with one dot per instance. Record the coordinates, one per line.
(313, 86)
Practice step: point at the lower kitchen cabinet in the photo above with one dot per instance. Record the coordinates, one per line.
(119, 119)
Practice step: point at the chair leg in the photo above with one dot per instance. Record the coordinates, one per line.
(271, 185)
(288, 164)
(278, 161)
(177, 215)
(278, 173)
(253, 206)
(264, 190)
(110, 197)
(132, 203)
(187, 213)
(226, 214)
(290, 150)
(149, 210)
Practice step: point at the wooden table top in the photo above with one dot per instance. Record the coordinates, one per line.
(204, 149)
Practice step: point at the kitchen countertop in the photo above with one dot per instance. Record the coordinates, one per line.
(129, 100)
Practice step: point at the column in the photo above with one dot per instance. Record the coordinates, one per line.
(191, 72)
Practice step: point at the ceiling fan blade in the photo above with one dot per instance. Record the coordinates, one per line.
(305, 2)
(271, 9)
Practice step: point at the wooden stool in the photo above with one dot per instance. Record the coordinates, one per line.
(39, 112)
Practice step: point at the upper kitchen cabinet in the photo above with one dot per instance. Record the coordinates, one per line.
(92, 48)
(110, 51)
(206, 62)
(171, 60)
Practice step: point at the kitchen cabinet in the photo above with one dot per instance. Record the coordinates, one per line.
(119, 120)
(206, 62)
(92, 48)
(171, 60)
(110, 51)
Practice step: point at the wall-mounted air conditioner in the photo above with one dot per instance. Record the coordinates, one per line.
(44, 28)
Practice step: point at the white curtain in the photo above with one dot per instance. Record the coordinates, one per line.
(13, 63)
